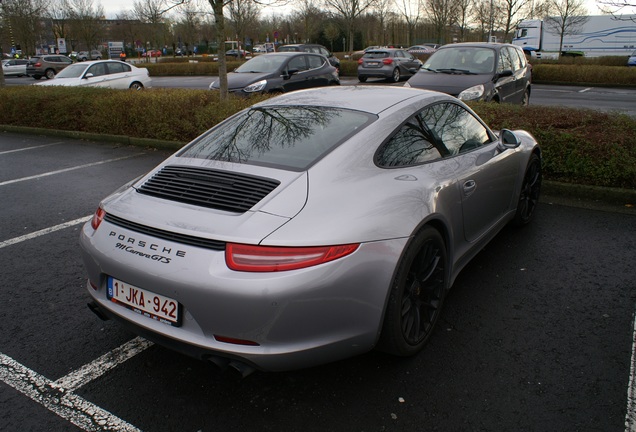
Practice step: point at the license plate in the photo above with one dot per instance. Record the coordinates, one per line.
(373, 63)
(144, 302)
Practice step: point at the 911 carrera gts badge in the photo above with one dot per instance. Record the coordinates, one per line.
(144, 249)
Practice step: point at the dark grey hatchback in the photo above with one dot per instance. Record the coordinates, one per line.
(280, 73)
(477, 71)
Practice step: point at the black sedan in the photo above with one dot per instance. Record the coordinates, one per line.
(281, 72)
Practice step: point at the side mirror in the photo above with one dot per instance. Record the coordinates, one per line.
(288, 73)
(88, 75)
(505, 73)
(507, 140)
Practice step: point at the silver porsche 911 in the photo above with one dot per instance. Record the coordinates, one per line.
(311, 227)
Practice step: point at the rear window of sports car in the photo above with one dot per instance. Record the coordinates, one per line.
(289, 137)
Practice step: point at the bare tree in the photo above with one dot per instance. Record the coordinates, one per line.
(464, 17)
(442, 14)
(570, 17)
(512, 9)
(310, 18)
(24, 19)
(349, 11)
(243, 16)
(411, 12)
(87, 21)
(620, 9)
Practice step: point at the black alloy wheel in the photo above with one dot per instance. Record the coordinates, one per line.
(530, 190)
(417, 295)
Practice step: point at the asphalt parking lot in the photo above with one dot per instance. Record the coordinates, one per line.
(536, 334)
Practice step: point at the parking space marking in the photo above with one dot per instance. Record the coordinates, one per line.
(30, 148)
(67, 169)
(58, 396)
(630, 416)
(43, 232)
(100, 366)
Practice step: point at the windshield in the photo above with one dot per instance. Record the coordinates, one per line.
(462, 60)
(262, 63)
(72, 71)
(292, 137)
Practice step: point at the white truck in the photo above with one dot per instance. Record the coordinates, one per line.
(601, 35)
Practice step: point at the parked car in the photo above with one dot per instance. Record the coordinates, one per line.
(280, 72)
(420, 49)
(151, 53)
(312, 48)
(102, 73)
(236, 53)
(310, 227)
(47, 65)
(89, 55)
(389, 63)
(477, 71)
(14, 67)
(631, 61)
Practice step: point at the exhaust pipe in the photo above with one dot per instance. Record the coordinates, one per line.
(219, 362)
(243, 369)
(97, 311)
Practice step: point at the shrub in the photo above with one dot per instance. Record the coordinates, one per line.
(579, 146)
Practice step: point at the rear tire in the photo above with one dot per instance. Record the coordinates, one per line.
(50, 74)
(530, 190)
(417, 294)
(395, 76)
(362, 79)
(526, 98)
(136, 86)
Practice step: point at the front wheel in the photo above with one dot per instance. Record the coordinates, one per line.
(417, 295)
(529, 195)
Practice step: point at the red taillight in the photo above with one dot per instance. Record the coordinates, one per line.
(359, 61)
(38, 64)
(235, 341)
(98, 217)
(387, 61)
(252, 258)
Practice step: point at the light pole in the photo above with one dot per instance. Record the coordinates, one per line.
(1, 68)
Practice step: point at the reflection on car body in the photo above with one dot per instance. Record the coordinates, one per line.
(310, 227)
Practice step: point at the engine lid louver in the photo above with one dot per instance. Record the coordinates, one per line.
(209, 188)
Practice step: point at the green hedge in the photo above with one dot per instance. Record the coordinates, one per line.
(580, 146)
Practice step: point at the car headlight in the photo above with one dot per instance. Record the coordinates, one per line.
(472, 93)
(255, 87)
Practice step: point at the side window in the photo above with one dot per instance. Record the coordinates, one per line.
(456, 128)
(522, 56)
(98, 69)
(323, 51)
(413, 144)
(514, 59)
(315, 62)
(114, 68)
(298, 63)
(505, 63)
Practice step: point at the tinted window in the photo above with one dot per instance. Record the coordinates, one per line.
(117, 67)
(376, 54)
(288, 137)
(505, 61)
(98, 69)
(315, 62)
(439, 131)
(299, 63)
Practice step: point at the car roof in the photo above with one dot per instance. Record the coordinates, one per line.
(370, 99)
(493, 45)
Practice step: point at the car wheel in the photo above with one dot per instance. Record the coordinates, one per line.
(362, 79)
(136, 86)
(50, 74)
(417, 295)
(530, 190)
(525, 101)
(395, 76)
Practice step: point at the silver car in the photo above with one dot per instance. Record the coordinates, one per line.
(388, 63)
(311, 227)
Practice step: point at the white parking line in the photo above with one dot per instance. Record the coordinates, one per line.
(585, 90)
(61, 400)
(30, 148)
(43, 232)
(67, 169)
(630, 417)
